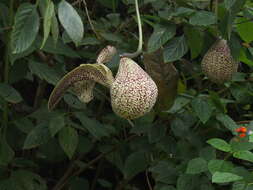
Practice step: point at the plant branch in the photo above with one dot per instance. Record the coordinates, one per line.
(139, 49)
(148, 181)
(99, 169)
(69, 173)
(89, 20)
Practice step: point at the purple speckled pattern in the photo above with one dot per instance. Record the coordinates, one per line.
(133, 93)
(218, 64)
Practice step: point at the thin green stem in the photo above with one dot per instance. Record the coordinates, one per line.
(217, 12)
(139, 49)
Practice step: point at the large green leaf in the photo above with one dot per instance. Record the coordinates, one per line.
(44, 72)
(219, 165)
(161, 34)
(93, 126)
(135, 163)
(202, 18)
(48, 18)
(38, 136)
(9, 93)
(202, 108)
(25, 28)
(244, 155)
(68, 139)
(56, 124)
(227, 121)
(71, 21)
(225, 177)
(219, 144)
(58, 47)
(244, 28)
(196, 166)
(176, 49)
(195, 40)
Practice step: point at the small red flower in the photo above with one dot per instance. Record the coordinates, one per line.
(242, 135)
(241, 129)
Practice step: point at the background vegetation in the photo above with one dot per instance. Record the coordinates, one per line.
(188, 142)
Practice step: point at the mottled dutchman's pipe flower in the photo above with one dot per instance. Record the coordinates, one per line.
(133, 92)
(218, 63)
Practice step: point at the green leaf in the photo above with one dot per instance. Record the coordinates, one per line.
(68, 139)
(111, 37)
(202, 18)
(38, 136)
(48, 18)
(186, 181)
(156, 132)
(44, 72)
(28, 180)
(241, 146)
(225, 177)
(202, 109)
(244, 155)
(6, 152)
(24, 124)
(59, 48)
(71, 21)
(235, 46)
(227, 121)
(160, 36)
(90, 41)
(244, 28)
(219, 144)
(56, 124)
(216, 101)
(196, 166)
(9, 93)
(93, 126)
(179, 103)
(243, 57)
(26, 27)
(176, 49)
(195, 40)
(55, 28)
(220, 166)
(135, 163)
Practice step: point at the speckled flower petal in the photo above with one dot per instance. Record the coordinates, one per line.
(218, 63)
(106, 54)
(91, 72)
(133, 93)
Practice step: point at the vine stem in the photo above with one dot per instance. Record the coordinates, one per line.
(139, 49)
(71, 173)
(89, 19)
(6, 65)
(216, 13)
